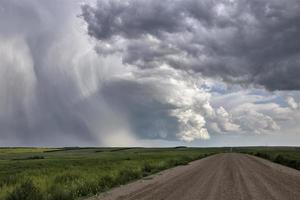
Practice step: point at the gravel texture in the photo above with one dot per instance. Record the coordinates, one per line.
(228, 176)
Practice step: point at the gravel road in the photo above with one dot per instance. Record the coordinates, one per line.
(228, 176)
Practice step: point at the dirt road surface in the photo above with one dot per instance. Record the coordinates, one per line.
(229, 176)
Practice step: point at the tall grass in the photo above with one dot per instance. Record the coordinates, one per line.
(291, 159)
(72, 174)
(26, 191)
(29, 191)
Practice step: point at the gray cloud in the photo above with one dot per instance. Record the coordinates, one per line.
(144, 84)
(47, 79)
(56, 90)
(244, 42)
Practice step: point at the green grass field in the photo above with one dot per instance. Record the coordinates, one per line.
(74, 173)
(289, 156)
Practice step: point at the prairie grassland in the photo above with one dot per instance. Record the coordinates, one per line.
(288, 156)
(74, 173)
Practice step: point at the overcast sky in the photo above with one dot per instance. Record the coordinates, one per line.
(149, 72)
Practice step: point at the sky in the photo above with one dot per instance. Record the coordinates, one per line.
(149, 72)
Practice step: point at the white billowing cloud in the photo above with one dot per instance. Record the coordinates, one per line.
(225, 121)
(162, 103)
(258, 111)
(191, 125)
(172, 101)
(292, 103)
(192, 104)
(256, 122)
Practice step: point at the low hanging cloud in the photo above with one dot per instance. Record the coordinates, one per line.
(239, 41)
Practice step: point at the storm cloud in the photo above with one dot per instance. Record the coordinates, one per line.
(144, 73)
(244, 42)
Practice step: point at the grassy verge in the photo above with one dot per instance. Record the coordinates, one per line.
(66, 174)
(288, 156)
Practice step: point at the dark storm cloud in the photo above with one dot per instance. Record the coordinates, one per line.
(246, 42)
